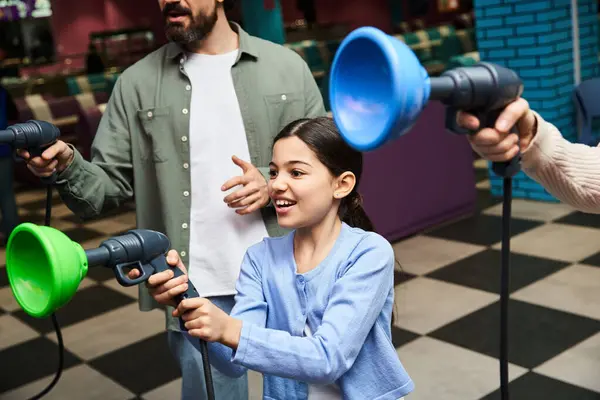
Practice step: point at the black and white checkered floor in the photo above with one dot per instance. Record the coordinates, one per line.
(447, 314)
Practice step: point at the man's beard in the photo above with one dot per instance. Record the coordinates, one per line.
(199, 26)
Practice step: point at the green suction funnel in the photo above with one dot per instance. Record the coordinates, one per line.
(44, 268)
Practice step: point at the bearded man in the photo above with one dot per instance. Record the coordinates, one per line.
(188, 133)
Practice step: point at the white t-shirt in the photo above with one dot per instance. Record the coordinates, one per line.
(322, 392)
(219, 237)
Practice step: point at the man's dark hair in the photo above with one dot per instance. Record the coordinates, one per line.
(228, 4)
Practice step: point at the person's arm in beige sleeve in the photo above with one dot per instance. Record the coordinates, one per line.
(569, 171)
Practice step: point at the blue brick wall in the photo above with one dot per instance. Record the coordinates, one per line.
(588, 37)
(533, 37)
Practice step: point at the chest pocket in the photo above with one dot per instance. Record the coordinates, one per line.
(284, 108)
(156, 141)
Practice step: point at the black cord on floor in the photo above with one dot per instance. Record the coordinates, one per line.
(61, 349)
(505, 287)
(61, 352)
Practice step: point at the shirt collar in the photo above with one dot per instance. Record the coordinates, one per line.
(247, 44)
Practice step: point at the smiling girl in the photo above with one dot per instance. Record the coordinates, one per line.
(313, 308)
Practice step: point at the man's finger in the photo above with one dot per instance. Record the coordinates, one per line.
(42, 169)
(244, 165)
(248, 210)
(39, 162)
(251, 208)
(52, 166)
(240, 194)
(40, 172)
(246, 201)
(511, 115)
(233, 182)
(52, 151)
(23, 154)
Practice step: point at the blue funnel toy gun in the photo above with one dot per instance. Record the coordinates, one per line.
(378, 89)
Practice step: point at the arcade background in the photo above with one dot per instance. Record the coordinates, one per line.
(427, 193)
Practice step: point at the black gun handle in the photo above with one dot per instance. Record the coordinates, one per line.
(505, 169)
(159, 264)
(487, 119)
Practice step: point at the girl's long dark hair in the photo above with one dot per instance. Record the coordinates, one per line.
(323, 138)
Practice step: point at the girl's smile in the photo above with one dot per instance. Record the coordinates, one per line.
(283, 205)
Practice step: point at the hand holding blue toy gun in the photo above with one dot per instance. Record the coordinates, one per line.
(498, 144)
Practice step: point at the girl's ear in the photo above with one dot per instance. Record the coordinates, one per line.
(344, 184)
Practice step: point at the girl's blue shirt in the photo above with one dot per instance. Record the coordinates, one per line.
(347, 300)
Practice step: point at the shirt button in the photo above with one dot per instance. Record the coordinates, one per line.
(150, 114)
(186, 165)
(185, 111)
(301, 279)
(184, 138)
(181, 60)
(182, 254)
(186, 193)
(188, 87)
(184, 225)
(283, 97)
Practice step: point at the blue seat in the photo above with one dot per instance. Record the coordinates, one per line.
(587, 103)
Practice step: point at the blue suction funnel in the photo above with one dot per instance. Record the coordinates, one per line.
(377, 88)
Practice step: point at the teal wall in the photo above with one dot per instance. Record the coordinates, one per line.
(266, 24)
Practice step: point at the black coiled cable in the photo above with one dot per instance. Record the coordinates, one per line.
(61, 348)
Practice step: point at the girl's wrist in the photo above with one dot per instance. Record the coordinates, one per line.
(232, 333)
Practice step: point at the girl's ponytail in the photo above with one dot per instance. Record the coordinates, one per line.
(353, 213)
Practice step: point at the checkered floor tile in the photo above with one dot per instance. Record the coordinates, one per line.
(446, 331)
